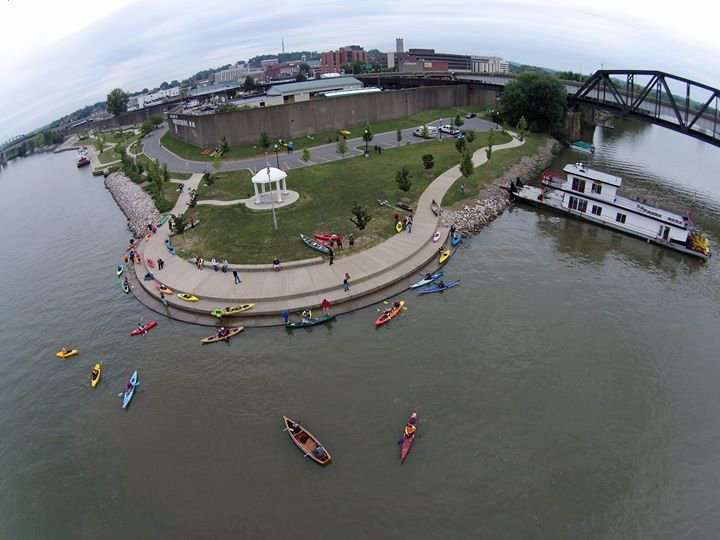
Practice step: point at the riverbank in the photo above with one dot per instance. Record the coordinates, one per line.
(134, 201)
(492, 200)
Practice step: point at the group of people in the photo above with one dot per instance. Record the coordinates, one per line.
(406, 222)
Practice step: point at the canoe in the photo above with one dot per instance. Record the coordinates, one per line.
(67, 354)
(232, 332)
(426, 281)
(120, 269)
(404, 206)
(310, 322)
(95, 374)
(437, 288)
(389, 314)
(436, 236)
(314, 244)
(147, 327)
(456, 238)
(130, 392)
(170, 247)
(444, 255)
(188, 297)
(229, 311)
(164, 289)
(125, 287)
(306, 441)
(407, 442)
(163, 219)
(399, 226)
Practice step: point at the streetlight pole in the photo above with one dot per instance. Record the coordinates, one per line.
(277, 157)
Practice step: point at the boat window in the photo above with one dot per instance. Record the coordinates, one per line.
(597, 188)
(596, 210)
(573, 203)
(620, 218)
(582, 205)
(578, 185)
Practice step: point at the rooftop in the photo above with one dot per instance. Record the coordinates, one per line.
(315, 85)
(580, 170)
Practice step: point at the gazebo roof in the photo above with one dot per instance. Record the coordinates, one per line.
(267, 175)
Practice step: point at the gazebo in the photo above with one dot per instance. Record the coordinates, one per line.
(263, 181)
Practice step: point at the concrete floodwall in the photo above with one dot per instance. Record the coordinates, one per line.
(299, 119)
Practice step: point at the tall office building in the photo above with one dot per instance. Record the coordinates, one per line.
(399, 45)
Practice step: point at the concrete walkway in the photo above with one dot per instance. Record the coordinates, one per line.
(322, 153)
(302, 284)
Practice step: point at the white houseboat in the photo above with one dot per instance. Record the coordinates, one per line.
(592, 196)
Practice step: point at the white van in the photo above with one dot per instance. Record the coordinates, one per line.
(431, 131)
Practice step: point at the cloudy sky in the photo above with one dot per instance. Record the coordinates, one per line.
(56, 57)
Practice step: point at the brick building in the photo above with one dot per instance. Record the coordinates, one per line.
(333, 61)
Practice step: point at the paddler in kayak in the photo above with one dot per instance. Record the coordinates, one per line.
(441, 284)
(95, 373)
(409, 430)
(142, 328)
(222, 332)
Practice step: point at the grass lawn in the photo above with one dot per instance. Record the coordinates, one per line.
(228, 186)
(108, 156)
(327, 193)
(119, 136)
(498, 164)
(180, 175)
(190, 151)
(170, 195)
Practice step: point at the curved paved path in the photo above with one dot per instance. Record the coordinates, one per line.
(318, 154)
(306, 283)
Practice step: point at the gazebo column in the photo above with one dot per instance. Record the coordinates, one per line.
(278, 190)
(284, 186)
(257, 194)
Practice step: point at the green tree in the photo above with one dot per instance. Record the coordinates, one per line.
(227, 107)
(165, 173)
(428, 161)
(224, 146)
(458, 120)
(362, 218)
(117, 101)
(522, 127)
(249, 84)
(425, 132)
(469, 135)
(342, 146)
(179, 223)
(264, 140)
(305, 68)
(403, 179)
(301, 77)
(156, 119)
(146, 127)
(460, 145)
(99, 143)
(398, 136)
(306, 155)
(540, 98)
(208, 179)
(466, 165)
(367, 136)
(490, 143)
(217, 162)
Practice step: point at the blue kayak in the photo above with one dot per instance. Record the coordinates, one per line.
(169, 246)
(456, 237)
(440, 288)
(130, 392)
(427, 281)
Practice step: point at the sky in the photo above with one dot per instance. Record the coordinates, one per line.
(56, 57)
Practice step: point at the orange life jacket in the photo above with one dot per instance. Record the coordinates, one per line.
(409, 430)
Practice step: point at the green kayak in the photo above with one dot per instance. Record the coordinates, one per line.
(304, 323)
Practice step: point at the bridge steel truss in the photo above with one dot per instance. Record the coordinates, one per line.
(654, 101)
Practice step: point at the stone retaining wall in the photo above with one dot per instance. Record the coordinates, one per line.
(134, 202)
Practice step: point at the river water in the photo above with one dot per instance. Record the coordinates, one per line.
(567, 389)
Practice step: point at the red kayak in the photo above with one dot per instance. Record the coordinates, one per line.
(390, 313)
(146, 327)
(407, 442)
(327, 238)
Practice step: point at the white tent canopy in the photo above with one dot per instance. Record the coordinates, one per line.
(266, 177)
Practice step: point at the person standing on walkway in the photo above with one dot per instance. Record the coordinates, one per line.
(408, 225)
(161, 264)
(351, 240)
(163, 300)
(331, 254)
(236, 277)
(225, 266)
(276, 264)
(214, 264)
(325, 305)
(285, 316)
(346, 282)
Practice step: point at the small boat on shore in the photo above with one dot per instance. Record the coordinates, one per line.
(440, 287)
(436, 236)
(444, 255)
(164, 289)
(232, 332)
(119, 270)
(390, 313)
(188, 297)
(129, 392)
(308, 444)
(314, 244)
(427, 280)
(125, 287)
(456, 239)
(83, 162)
(310, 321)
(145, 328)
(582, 146)
(409, 433)
(231, 311)
(95, 374)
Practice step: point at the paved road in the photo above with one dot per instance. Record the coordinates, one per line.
(318, 154)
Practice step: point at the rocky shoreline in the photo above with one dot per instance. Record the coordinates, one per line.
(493, 200)
(134, 202)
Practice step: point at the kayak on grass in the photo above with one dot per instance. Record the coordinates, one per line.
(145, 328)
(314, 244)
(188, 297)
(408, 439)
(130, 389)
(232, 332)
(95, 373)
(64, 353)
(308, 444)
(390, 313)
(229, 311)
(304, 323)
(428, 279)
(440, 287)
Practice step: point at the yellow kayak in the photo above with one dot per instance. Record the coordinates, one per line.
(231, 310)
(444, 255)
(188, 297)
(231, 333)
(95, 374)
(399, 226)
(67, 354)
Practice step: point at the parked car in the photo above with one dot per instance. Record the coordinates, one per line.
(471, 115)
(432, 131)
(450, 130)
